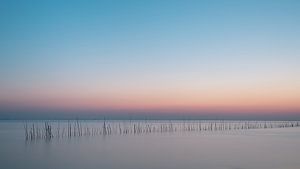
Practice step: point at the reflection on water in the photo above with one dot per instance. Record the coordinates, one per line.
(270, 148)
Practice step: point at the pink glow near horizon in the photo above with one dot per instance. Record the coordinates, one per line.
(209, 99)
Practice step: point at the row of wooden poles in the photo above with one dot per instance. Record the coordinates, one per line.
(48, 130)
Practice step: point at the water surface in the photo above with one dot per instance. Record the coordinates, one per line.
(276, 148)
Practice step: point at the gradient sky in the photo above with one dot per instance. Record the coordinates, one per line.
(151, 56)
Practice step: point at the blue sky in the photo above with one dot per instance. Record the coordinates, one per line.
(119, 52)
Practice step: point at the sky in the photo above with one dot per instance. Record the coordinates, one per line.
(219, 58)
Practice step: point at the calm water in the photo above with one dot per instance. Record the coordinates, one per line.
(243, 149)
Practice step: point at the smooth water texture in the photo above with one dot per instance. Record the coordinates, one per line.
(276, 148)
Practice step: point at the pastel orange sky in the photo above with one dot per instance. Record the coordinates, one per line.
(273, 96)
